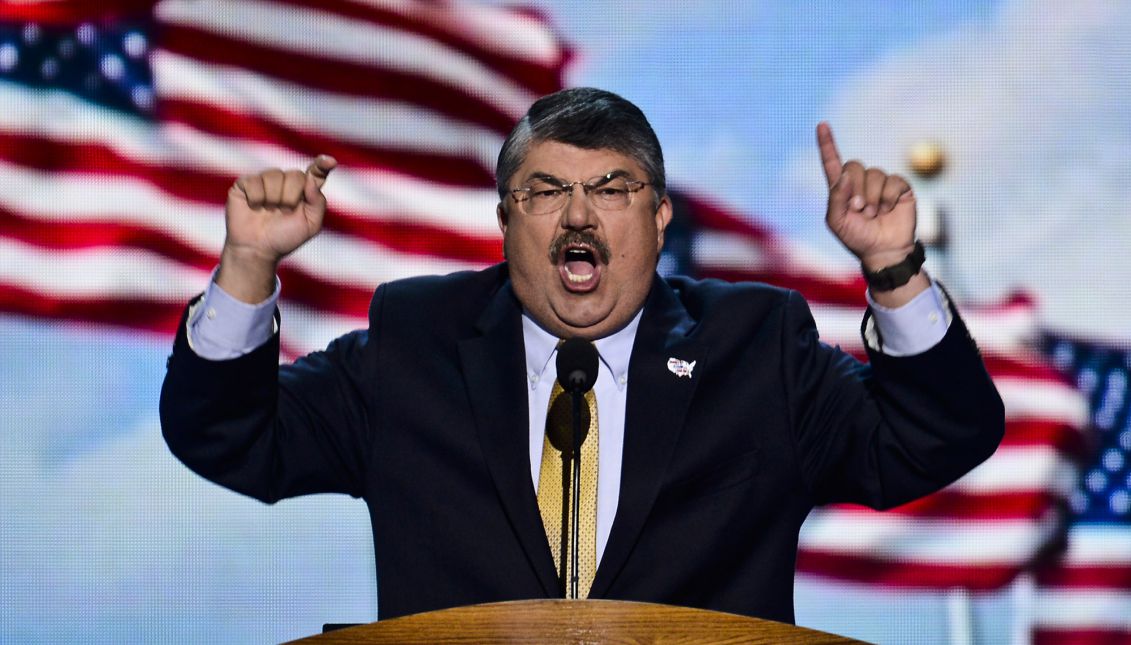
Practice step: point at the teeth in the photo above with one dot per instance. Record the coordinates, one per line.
(573, 277)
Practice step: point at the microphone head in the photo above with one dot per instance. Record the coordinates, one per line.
(577, 365)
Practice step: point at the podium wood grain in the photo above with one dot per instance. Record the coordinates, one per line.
(548, 622)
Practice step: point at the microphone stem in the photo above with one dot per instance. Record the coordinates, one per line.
(563, 566)
(576, 396)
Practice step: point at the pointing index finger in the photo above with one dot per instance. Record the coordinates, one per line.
(830, 156)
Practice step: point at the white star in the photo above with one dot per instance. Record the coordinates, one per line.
(9, 57)
(112, 67)
(134, 44)
(49, 69)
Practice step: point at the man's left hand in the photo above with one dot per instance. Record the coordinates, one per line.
(872, 213)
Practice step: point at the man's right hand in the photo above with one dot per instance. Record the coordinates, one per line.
(268, 216)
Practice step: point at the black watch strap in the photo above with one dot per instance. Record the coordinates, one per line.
(897, 275)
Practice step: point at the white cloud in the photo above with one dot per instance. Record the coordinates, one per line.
(1032, 110)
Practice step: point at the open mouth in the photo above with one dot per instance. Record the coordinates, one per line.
(579, 267)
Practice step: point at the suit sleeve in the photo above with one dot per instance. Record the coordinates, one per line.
(271, 431)
(896, 429)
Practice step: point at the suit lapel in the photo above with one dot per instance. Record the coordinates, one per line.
(493, 369)
(657, 404)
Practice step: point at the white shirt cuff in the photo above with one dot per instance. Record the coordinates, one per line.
(221, 327)
(911, 329)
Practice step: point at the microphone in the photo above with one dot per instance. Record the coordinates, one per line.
(577, 372)
(577, 365)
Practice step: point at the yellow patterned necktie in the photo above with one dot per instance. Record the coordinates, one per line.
(551, 493)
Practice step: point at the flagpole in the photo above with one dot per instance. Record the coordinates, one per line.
(1022, 593)
(959, 616)
(927, 160)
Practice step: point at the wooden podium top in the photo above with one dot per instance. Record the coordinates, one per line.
(548, 622)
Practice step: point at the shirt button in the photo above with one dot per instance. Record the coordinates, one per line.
(934, 317)
(622, 379)
(211, 313)
(533, 378)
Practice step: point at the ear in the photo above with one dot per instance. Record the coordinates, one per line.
(501, 216)
(663, 218)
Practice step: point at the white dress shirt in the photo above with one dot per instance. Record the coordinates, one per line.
(611, 392)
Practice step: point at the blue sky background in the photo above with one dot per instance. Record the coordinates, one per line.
(106, 538)
(729, 86)
(1027, 97)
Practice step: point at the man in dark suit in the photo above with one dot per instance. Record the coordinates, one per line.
(721, 420)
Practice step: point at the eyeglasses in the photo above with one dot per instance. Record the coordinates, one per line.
(545, 195)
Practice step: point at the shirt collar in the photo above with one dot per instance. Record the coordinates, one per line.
(614, 350)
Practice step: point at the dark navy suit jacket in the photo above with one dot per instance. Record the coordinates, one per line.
(424, 416)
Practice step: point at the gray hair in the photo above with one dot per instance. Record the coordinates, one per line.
(588, 118)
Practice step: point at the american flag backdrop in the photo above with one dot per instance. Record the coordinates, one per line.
(1084, 588)
(123, 123)
(992, 524)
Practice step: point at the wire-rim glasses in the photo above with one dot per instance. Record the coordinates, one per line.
(546, 194)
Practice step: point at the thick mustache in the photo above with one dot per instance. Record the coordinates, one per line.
(579, 237)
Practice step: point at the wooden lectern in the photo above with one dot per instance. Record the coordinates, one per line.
(549, 622)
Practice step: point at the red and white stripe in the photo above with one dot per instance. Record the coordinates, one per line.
(1084, 598)
(108, 218)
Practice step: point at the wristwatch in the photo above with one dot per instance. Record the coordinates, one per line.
(899, 274)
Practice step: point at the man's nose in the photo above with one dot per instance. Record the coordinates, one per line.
(578, 212)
